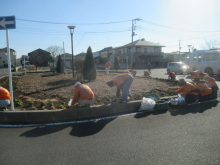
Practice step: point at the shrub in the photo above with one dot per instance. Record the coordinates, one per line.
(60, 65)
(89, 69)
(116, 64)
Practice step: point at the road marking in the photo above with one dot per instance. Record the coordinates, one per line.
(65, 123)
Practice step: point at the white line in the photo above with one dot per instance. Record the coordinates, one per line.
(63, 123)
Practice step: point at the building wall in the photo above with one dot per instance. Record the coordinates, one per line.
(3, 57)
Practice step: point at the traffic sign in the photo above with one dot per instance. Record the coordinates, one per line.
(7, 22)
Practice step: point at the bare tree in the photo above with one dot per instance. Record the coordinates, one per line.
(212, 44)
(55, 50)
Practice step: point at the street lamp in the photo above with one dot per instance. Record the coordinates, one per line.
(189, 46)
(71, 33)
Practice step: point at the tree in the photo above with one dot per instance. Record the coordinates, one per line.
(55, 50)
(116, 64)
(212, 44)
(60, 65)
(89, 69)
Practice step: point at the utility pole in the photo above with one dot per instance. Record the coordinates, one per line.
(64, 55)
(132, 36)
(179, 49)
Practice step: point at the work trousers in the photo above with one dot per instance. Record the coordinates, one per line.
(126, 88)
(4, 103)
(86, 102)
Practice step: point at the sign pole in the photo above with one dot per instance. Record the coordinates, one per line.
(9, 70)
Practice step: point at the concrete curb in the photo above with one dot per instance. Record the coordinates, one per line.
(71, 114)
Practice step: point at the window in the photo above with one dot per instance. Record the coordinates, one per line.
(145, 50)
(138, 49)
(156, 50)
(210, 57)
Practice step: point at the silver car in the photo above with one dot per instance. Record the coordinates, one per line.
(177, 67)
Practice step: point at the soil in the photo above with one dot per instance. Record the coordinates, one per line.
(58, 88)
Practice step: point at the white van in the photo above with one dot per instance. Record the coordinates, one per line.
(177, 67)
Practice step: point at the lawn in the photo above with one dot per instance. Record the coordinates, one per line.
(46, 89)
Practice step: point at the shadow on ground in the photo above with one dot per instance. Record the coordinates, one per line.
(78, 129)
(145, 113)
(196, 108)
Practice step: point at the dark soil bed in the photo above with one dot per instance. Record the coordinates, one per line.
(58, 88)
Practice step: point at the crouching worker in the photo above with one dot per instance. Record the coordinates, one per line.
(122, 81)
(205, 91)
(188, 90)
(5, 98)
(210, 81)
(83, 95)
(172, 76)
(147, 73)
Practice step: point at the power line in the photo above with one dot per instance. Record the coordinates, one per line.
(169, 27)
(45, 22)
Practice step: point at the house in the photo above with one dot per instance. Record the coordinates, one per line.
(39, 57)
(80, 56)
(4, 59)
(67, 59)
(138, 54)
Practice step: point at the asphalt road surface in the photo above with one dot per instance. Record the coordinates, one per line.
(190, 135)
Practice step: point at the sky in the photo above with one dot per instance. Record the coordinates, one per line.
(100, 23)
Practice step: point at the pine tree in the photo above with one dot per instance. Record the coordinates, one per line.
(116, 64)
(60, 66)
(89, 69)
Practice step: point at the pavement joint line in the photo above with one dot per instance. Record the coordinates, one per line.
(65, 123)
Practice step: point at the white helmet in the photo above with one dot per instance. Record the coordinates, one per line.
(76, 84)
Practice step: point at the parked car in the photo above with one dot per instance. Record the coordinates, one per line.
(177, 67)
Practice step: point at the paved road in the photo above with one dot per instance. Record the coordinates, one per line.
(187, 136)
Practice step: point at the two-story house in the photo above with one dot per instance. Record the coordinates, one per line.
(39, 57)
(4, 59)
(138, 54)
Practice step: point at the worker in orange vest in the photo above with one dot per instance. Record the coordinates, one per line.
(188, 90)
(172, 76)
(123, 81)
(83, 94)
(205, 91)
(198, 74)
(5, 97)
(107, 66)
(210, 81)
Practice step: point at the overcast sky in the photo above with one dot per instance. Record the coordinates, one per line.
(100, 23)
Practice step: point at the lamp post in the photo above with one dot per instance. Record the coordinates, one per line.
(71, 33)
(189, 46)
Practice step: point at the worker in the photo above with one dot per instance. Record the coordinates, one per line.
(83, 95)
(198, 74)
(210, 81)
(123, 81)
(107, 66)
(149, 67)
(205, 91)
(172, 76)
(188, 90)
(147, 73)
(5, 98)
